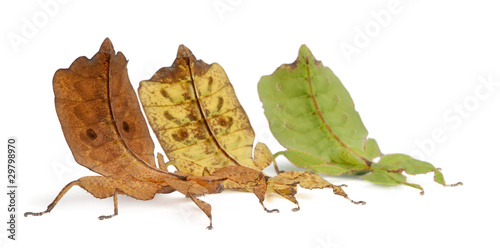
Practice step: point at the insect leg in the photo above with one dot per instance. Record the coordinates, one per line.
(274, 161)
(104, 187)
(58, 197)
(260, 191)
(339, 191)
(161, 162)
(205, 207)
(115, 202)
(289, 194)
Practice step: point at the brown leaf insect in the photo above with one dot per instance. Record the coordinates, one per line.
(103, 125)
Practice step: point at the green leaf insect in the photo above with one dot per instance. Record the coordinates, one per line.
(311, 114)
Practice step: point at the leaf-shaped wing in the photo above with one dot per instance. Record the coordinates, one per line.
(100, 115)
(309, 109)
(193, 110)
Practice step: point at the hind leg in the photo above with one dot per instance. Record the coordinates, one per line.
(58, 197)
(104, 187)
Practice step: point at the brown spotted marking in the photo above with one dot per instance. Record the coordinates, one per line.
(220, 102)
(168, 115)
(164, 93)
(181, 135)
(210, 83)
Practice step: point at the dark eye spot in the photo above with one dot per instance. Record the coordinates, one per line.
(91, 134)
(126, 127)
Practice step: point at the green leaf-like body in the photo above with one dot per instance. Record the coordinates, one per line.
(384, 177)
(310, 110)
(410, 165)
(318, 164)
(311, 114)
(372, 149)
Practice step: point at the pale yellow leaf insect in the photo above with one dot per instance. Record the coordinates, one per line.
(200, 124)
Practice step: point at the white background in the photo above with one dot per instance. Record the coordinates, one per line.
(415, 76)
